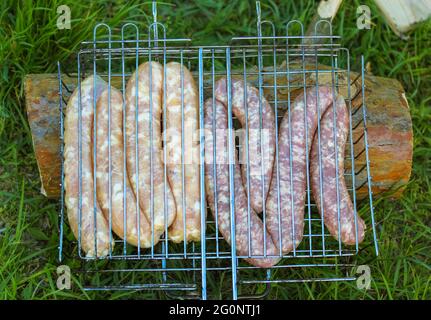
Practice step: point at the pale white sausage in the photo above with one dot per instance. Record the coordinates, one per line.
(93, 240)
(113, 208)
(157, 201)
(182, 147)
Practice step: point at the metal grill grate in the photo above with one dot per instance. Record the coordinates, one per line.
(280, 67)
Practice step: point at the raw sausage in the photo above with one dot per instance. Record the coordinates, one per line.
(328, 207)
(286, 199)
(182, 116)
(155, 196)
(249, 230)
(110, 192)
(81, 215)
(261, 136)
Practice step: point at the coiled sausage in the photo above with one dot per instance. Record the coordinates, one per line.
(144, 106)
(250, 111)
(286, 199)
(249, 230)
(110, 192)
(182, 117)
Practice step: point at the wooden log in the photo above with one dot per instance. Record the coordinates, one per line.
(43, 113)
(403, 15)
(326, 10)
(390, 134)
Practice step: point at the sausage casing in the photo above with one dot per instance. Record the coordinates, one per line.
(82, 208)
(182, 118)
(330, 207)
(145, 168)
(111, 176)
(286, 199)
(257, 156)
(249, 230)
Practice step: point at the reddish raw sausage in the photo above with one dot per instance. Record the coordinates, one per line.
(329, 206)
(286, 199)
(261, 136)
(249, 230)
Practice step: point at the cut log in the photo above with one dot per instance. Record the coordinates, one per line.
(403, 15)
(390, 135)
(43, 113)
(326, 11)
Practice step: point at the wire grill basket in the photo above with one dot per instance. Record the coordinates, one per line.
(279, 66)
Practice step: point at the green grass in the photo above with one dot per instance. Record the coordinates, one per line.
(31, 43)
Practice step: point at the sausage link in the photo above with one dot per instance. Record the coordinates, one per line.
(329, 211)
(249, 230)
(261, 137)
(295, 138)
(153, 201)
(84, 217)
(116, 184)
(182, 116)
